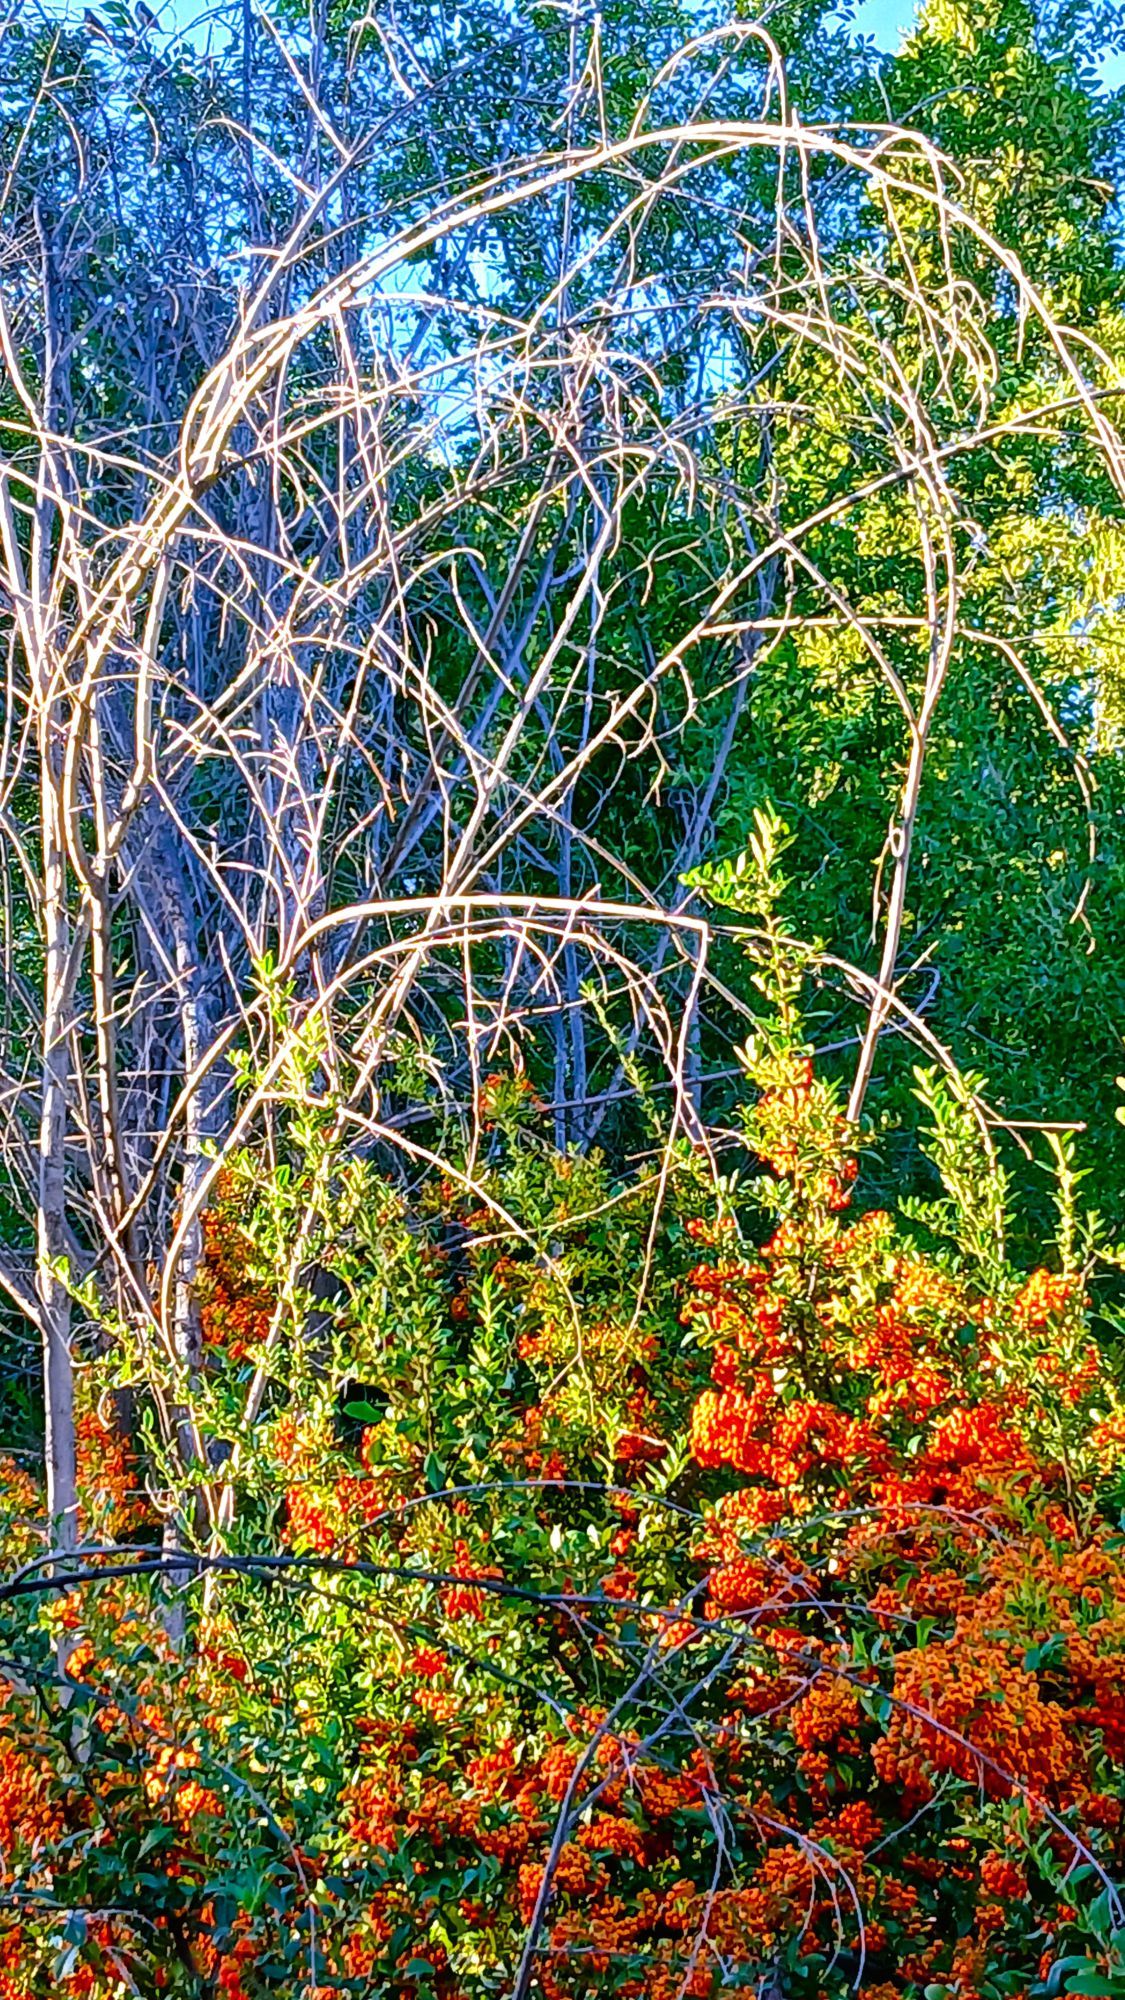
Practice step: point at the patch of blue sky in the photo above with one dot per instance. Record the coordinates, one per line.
(884, 21)
(204, 26)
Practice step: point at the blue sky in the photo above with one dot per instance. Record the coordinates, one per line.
(886, 19)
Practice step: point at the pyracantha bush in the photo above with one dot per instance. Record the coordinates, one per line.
(632, 1586)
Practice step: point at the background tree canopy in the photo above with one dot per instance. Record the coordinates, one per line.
(561, 581)
(158, 191)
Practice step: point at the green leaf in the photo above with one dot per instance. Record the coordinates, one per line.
(1050, 1653)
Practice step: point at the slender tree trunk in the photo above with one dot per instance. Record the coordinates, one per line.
(54, 1295)
(170, 893)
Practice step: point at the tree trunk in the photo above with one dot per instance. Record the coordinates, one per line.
(54, 1295)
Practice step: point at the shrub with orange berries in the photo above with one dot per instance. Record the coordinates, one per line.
(724, 1596)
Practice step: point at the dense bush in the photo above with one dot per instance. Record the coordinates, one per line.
(649, 1585)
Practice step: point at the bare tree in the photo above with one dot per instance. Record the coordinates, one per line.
(332, 646)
